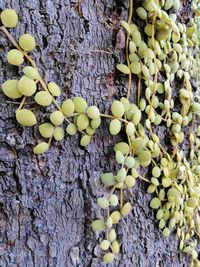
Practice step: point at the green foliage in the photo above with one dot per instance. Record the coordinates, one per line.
(166, 54)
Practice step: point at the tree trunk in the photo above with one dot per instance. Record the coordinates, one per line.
(48, 202)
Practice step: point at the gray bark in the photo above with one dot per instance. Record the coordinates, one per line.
(47, 203)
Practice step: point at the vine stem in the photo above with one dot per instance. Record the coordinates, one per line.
(175, 150)
(155, 65)
(108, 210)
(144, 179)
(155, 77)
(113, 117)
(121, 198)
(192, 132)
(21, 104)
(161, 147)
(139, 90)
(73, 115)
(129, 82)
(49, 141)
(130, 11)
(127, 48)
(33, 65)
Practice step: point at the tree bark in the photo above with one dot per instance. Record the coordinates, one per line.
(47, 203)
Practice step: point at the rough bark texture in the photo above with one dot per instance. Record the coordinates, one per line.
(47, 202)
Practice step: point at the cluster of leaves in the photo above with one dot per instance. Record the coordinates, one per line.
(166, 53)
(85, 119)
(164, 56)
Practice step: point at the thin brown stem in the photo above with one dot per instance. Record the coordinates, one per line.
(129, 83)
(139, 91)
(121, 198)
(73, 115)
(144, 179)
(175, 150)
(127, 49)
(21, 104)
(113, 117)
(155, 64)
(161, 147)
(49, 141)
(154, 162)
(130, 11)
(192, 132)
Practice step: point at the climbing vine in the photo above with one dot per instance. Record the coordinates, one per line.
(164, 55)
